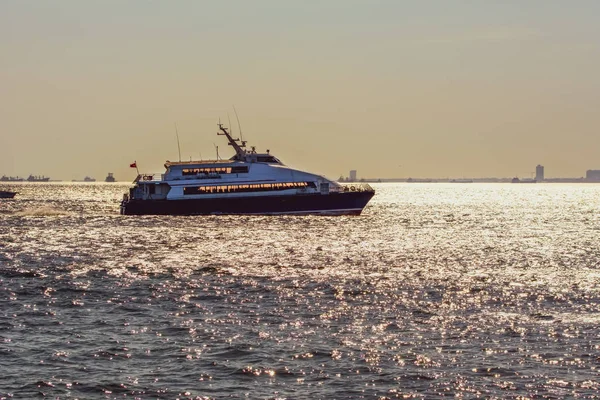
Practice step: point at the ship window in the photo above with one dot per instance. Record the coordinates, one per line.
(266, 159)
(243, 188)
(214, 170)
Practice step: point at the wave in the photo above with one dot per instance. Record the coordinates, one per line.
(45, 211)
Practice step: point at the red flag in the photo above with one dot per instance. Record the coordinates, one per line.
(134, 165)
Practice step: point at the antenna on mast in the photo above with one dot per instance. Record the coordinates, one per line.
(217, 150)
(178, 147)
(239, 126)
(229, 119)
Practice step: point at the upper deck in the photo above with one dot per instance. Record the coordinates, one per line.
(245, 166)
(169, 164)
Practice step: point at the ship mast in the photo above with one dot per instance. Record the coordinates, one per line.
(240, 152)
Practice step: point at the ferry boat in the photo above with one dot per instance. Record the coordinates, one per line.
(5, 194)
(247, 183)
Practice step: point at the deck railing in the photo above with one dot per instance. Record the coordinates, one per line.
(355, 187)
(149, 177)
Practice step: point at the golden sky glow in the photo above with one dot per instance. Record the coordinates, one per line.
(390, 88)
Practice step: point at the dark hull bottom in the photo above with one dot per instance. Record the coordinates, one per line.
(7, 195)
(349, 203)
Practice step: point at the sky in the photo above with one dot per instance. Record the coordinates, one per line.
(393, 89)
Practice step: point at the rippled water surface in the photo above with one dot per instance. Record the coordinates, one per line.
(436, 290)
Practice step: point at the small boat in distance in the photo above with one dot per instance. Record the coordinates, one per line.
(5, 178)
(247, 183)
(525, 180)
(418, 180)
(37, 178)
(5, 194)
(110, 178)
(86, 179)
(461, 181)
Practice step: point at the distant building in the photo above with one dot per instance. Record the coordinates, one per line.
(539, 173)
(592, 175)
(352, 176)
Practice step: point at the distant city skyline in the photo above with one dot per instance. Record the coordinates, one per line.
(352, 176)
(390, 88)
(538, 175)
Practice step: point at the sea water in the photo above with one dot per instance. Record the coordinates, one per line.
(436, 290)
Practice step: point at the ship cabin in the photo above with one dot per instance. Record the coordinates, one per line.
(190, 177)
